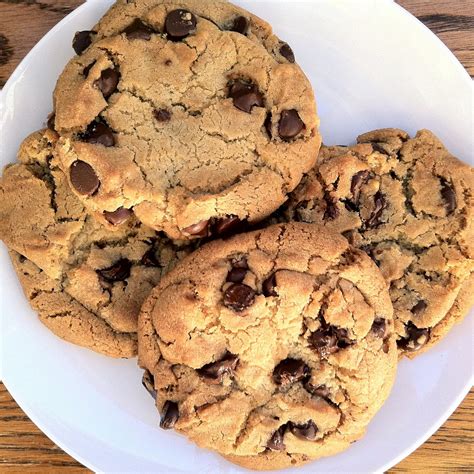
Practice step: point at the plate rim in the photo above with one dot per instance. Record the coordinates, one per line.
(32, 413)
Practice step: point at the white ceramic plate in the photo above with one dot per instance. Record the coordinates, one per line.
(372, 65)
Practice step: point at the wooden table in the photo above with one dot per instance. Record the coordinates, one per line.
(23, 447)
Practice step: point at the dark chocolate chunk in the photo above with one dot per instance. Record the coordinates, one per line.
(149, 259)
(307, 430)
(108, 81)
(138, 30)
(287, 52)
(50, 122)
(239, 296)
(162, 115)
(87, 69)
(275, 443)
(329, 339)
(449, 196)
(83, 178)
(228, 225)
(148, 382)
(379, 327)
(331, 211)
(119, 216)
(200, 229)
(240, 25)
(99, 133)
(290, 371)
(379, 205)
(169, 415)
(217, 370)
(290, 124)
(415, 339)
(245, 96)
(357, 181)
(82, 40)
(319, 390)
(119, 271)
(269, 285)
(419, 308)
(180, 23)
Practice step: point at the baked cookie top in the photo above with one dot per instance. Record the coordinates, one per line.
(273, 347)
(106, 267)
(409, 204)
(193, 123)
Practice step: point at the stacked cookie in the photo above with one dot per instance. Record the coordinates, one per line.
(176, 207)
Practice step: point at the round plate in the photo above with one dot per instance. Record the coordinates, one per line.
(373, 65)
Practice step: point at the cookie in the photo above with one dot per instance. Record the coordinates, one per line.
(86, 278)
(409, 204)
(190, 122)
(273, 347)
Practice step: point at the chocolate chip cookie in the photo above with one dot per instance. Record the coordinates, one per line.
(192, 115)
(87, 279)
(273, 347)
(409, 204)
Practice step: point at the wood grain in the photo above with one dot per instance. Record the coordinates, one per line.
(23, 447)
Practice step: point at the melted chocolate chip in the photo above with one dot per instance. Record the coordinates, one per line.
(149, 259)
(169, 415)
(99, 133)
(82, 40)
(138, 30)
(357, 181)
(240, 25)
(228, 225)
(119, 271)
(83, 178)
(329, 339)
(50, 122)
(108, 81)
(287, 52)
(331, 211)
(239, 297)
(269, 285)
(162, 115)
(180, 23)
(237, 272)
(419, 308)
(449, 196)
(415, 339)
(379, 327)
(379, 205)
(268, 124)
(148, 381)
(290, 371)
(245, 96)
(320, 390)
(217, 370)
(290, 124)
(307, 430)
(87, 69)
(200, 229)
(119, 216)
(275, 443)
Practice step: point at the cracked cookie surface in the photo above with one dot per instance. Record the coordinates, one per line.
(409, 204)
(86, 278)
(273, 347)
(186, 113)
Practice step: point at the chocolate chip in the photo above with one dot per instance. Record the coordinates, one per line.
(217, 370)
(268, 286)
(169, 415)
(239, 296)
(228, 225)
(99, 133)
(50, 122)
(162, 115)
(275, 443)
(287, 52)
(331, 211)
(149, 259)
(448, 195)
(119, 216)
(148, 381)
(415, 339)
(419, 307)
(290, 124)
(320, 390)
(379, 327)
(82, 40)
(268, 124)
(379, 205)
(107, 82)
(180, 23)
(83, 178)
(138, 30)
(200, 229)
(357, 181)
(245, 96)
(329, 339)
(307, 430)
(236, 275)
(119, 271)
(240, 25)
(87, 69)
(290, 371)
